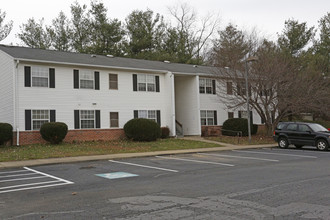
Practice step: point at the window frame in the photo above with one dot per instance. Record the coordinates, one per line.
(205, 86)
(42, 69)
(114, 119)
(145, 82)
(81, 74)
(147, 114)
(207, 117)
(81, 119)
(113, 81)
(40, 120)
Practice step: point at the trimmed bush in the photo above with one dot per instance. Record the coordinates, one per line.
(141, 129)
(165, 132)
(237, 124)
(54, 132)
(6, 132)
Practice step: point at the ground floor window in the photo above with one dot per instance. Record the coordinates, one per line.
(114, 119)
(39, 117)
(87, 119)
(148, 114)
(208, 117)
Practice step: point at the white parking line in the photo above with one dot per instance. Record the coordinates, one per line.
(139, 165)
(34, 185)
(289, 155)
(15, 171)
(249, 158)
(25, 174)
(196, 161)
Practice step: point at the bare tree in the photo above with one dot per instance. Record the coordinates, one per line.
(4, 28)
(278, 87)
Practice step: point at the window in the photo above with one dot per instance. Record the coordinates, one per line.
(40, 76)
(87, 119)
(39, 117)
(241, 88)
(229, 88)
(207, 86)
(291, 127)
(208, 117)
(230, 114)
(114, 120)
(86, 79)
(145, 82)
(113, 81)
(303, 128)
(149, 114)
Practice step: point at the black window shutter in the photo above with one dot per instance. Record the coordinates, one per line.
(215, 118)
(76, 79)
(27, 76)
(158, 117)
(76, 119)
(27, 120)
(214, 86)
(97, 80)
(134, 82)
(97, 119)
(136, 113)
(51, 78)
(52, 115)
(157, 83)
(239, 114)
(251, 118)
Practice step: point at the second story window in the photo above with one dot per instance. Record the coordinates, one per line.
(207, 86)
(145, 82)
(86, 80)
(39, 76)
(113, 81)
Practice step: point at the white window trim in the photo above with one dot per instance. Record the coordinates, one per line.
(146, 82)
(33, 75)
(81, 72)
(35, 120)
(80, 119)
(206, 117)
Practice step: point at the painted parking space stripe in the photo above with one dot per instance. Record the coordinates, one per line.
(248, 158)
(289, 155)
(196, 161)
(19, 185)
(145, 166)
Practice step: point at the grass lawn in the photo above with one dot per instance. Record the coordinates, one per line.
(42, 151)
(255, 139)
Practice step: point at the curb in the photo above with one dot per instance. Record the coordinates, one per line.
(36, 162)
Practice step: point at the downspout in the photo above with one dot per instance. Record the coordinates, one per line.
(173, 103)
(16, 103)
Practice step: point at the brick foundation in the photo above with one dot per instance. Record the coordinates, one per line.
(208, 131)
(34, 137)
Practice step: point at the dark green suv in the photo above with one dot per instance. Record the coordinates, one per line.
(302, 134)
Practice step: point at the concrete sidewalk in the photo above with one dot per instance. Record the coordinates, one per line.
(223, 147)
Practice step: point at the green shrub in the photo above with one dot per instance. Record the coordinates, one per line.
(6, 132)
(141, 129)
(231, 126)
(54, 132)
(165, 132)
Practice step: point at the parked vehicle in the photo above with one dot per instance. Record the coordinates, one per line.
(302, 134)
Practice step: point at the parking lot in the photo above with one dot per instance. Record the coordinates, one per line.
(267, 183)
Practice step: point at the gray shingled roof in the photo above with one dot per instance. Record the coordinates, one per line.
(25, 53)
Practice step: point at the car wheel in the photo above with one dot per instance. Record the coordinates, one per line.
(283, 143)
(322, 145)
(298, 146)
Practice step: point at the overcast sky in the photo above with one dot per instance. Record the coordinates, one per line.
(267, 15)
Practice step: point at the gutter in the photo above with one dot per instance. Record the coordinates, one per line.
(16, 114)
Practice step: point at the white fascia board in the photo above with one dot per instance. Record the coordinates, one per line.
(94, 66)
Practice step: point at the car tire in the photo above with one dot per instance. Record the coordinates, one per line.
(283, 143)
(298, 146)
(322, 145)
